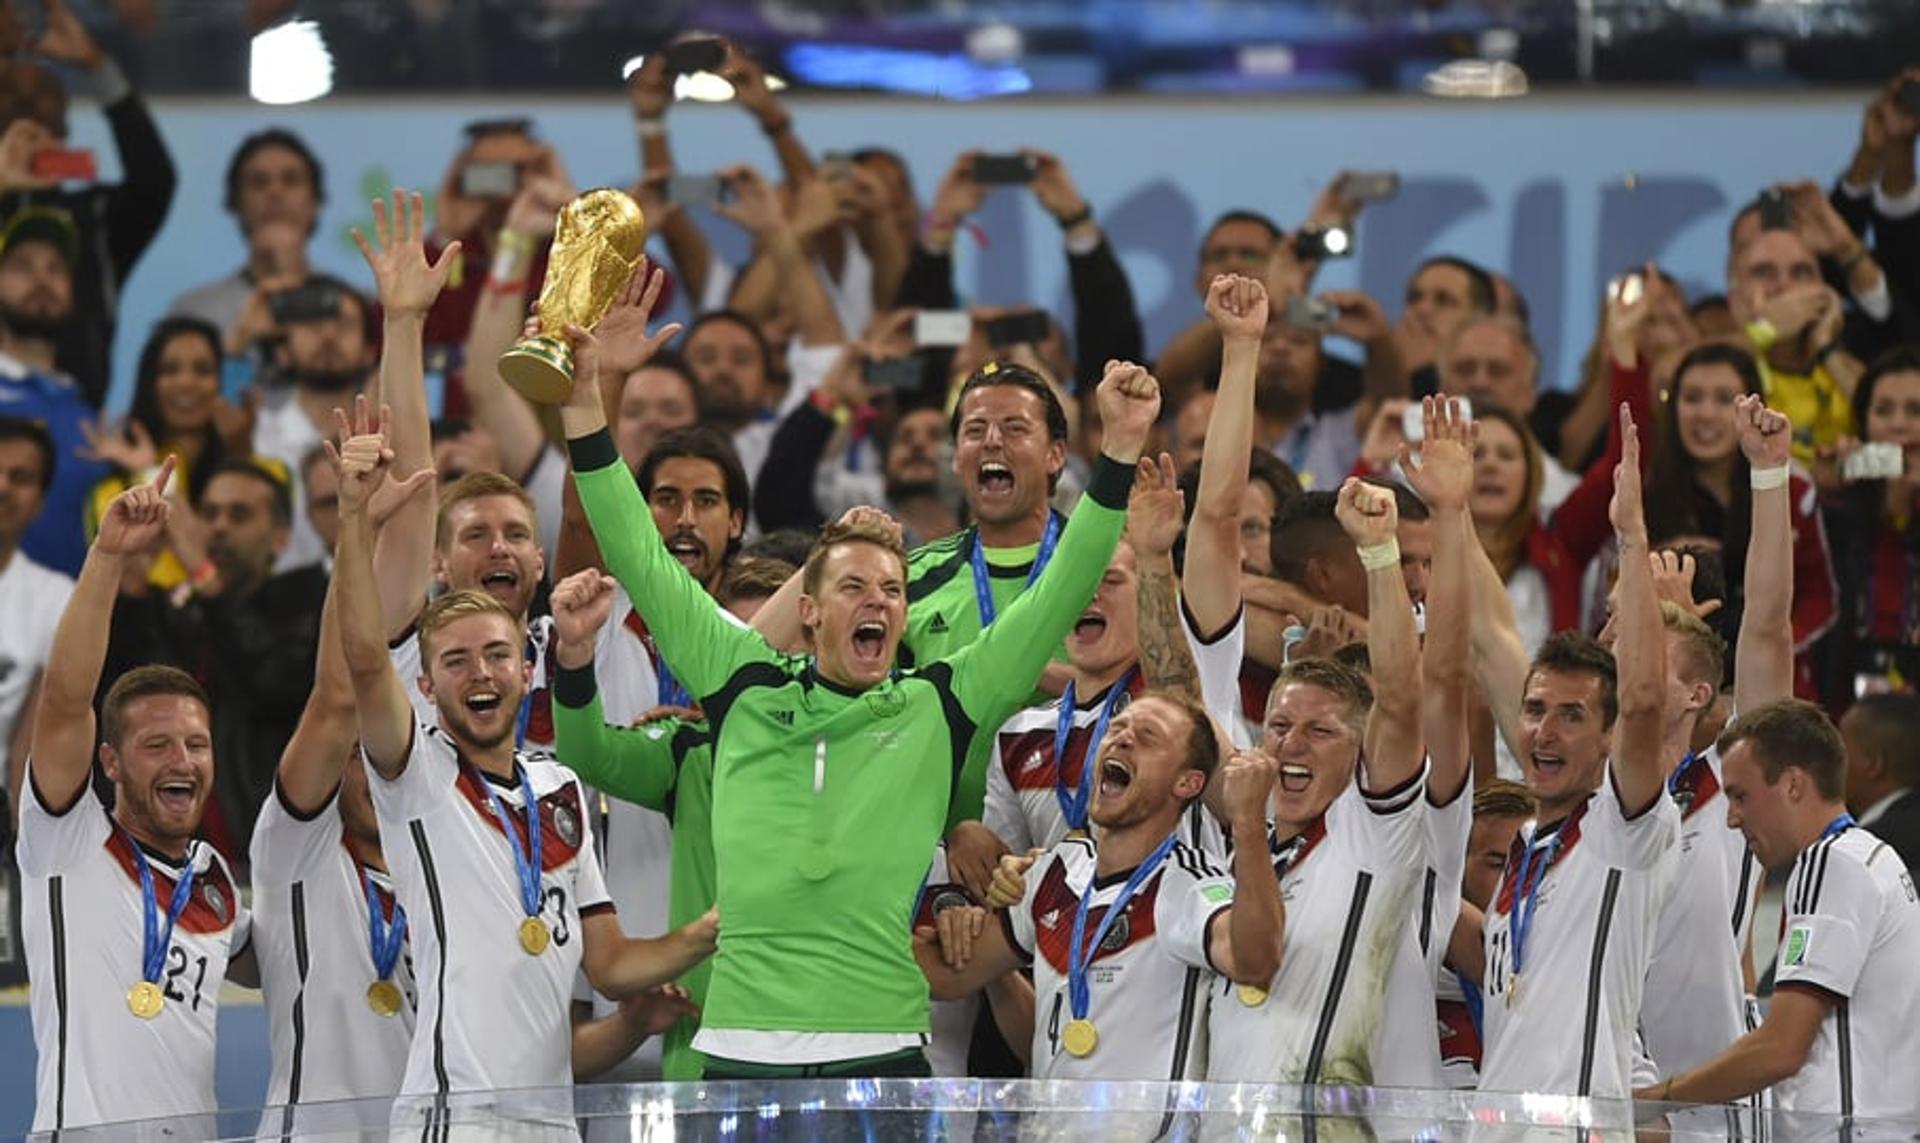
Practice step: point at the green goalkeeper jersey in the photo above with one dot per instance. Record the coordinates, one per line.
(666, 766)
(945, 613)
(827, 803)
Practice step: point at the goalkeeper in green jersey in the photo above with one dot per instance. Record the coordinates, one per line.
(832, 771)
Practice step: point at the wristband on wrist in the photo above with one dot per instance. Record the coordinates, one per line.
(512, 255)
(1084, 214)
(650, 128)
(1380, 556)
(1761, 479)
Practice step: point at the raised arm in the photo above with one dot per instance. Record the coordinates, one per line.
(322, 740)
(1763, 658)
(408, 285)
(1210, 582)
(1153, 524)
(497, 320)
(1246, 947)
(63, 724)
(632, 763)
(386, 715)
(703, 648)
(1393, 744)
(993, 674)
(782, 237)
(1444, 479)
(1640, 647)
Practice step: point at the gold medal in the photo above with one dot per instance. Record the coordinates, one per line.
(145, 1000)
(383, 997)
(1079, 1038)
(1513, 991)
(533, 936)
(1251, 995)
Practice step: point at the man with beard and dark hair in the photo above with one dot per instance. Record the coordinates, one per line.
(37, 252)
(327, 357)
(249, 636)
(739, 391)
(115, 222)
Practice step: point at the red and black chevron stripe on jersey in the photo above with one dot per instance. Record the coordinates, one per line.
(1696, 788)
(562, 819)
(1459, 1039)
(1569, 837)
(1027, 755)
(214, 899)
(1054, 905)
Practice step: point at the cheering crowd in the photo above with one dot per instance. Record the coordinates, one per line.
(956, 694)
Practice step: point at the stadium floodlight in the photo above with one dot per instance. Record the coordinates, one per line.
(290, 63)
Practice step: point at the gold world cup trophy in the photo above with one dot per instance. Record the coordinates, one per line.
(596, 245)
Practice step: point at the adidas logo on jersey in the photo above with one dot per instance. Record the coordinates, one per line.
(1050, 919)
(1034, 761)
(938, 626)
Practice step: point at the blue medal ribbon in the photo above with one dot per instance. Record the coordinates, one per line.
(1073, 803)
(1476, 1004)
(1526, 894)
(983, 586)
(1679, 774)
(1079, 995)
(1841, 824)
(527, 862)
(671, 692)
(526, 701)
(154, 939)
(385, 935)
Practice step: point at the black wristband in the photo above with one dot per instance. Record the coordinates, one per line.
(593, 451)
(1112, 482)
(1084, 214)
(574, 687)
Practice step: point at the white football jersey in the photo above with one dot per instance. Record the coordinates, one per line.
(1022, 808)
(82, 910)
(1407, 1054)
(538, 705)
(1852, 932)
(490, 1015)
(1695, 1000)
(312, 930)
(1569, 1027)
(1148, 978)
(1351, 883)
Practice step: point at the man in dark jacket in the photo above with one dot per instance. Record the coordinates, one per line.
(115, 222)
(1882, 733)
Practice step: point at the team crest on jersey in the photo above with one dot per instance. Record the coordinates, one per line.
(566, 823)
(1117, 935)
(886, 703)
(215, 901)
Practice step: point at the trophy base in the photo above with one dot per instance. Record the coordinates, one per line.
(539, 369)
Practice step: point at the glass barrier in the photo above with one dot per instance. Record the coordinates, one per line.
(989, 1111)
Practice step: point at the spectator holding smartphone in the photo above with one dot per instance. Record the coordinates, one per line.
(1873, 513)
(115, 222)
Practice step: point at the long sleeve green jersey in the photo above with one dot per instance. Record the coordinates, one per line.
(828, 802)
(666, 766)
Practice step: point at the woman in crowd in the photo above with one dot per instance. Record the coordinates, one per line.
(177, 409)
(1876, 539)
(1704, 497)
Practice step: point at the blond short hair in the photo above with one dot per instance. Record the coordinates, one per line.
(453, 607)
(837, 533)
(1703, 654)
(478, 486)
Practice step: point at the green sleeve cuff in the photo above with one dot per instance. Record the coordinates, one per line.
(593, 452)
(1112, 483)
(575, 686)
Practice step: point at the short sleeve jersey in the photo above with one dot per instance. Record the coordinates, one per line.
(1407, 1053)
(1852, 933)
(1694, 1005)
(490, 1016)
(1149, 977)
(1349, 883)
(537, 713)
(31, 600)
(1569, 1027)
(82, 912)
(312, 933)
